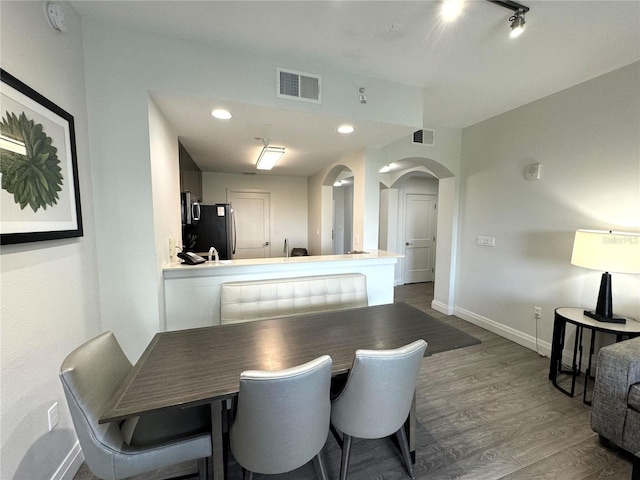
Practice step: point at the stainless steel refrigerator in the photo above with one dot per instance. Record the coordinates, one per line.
(216, 228)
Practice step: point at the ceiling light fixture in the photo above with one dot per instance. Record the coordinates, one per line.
(451, 9)
(221, 114)
(517, 19)
(517, 24)
(269, 156)
(345, 129)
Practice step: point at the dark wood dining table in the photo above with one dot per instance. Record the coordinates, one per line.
(202, 365)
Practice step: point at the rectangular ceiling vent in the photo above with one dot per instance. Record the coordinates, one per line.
(425, 137)
(301, 86)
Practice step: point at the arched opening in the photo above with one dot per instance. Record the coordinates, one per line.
(422, 176)
(341, 180)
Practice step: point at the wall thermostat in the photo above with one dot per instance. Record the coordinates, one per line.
(55, 16)
(532, 172)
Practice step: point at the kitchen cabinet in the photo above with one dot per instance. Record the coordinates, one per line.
(190, 173)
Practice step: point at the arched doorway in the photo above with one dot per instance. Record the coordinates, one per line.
(445, 261)
(340, 178)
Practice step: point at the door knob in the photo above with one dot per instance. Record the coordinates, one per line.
(408, 243)
(266, 244)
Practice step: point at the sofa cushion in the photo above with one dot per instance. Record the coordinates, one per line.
(634, 397)
(271, 298)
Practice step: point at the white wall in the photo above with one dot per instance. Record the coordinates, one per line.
(288, 197)
(49, 289)
(163, 149)
(587, 140)
(122, 66)
(443, 161)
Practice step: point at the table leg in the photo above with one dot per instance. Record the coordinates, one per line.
(592, 345)
(575, 369)
(557, 345)
(410, 429)
(218, 447)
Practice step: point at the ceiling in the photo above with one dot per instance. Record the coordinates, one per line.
(469, 70)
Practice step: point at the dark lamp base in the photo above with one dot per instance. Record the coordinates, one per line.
(604, 319)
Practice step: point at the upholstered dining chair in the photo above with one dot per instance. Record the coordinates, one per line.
(90, 376)
(376, 398)
(282, 418)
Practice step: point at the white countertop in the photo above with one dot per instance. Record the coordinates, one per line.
(370, 255)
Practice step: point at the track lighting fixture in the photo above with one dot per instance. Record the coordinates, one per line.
(517, 19)
(517, 24)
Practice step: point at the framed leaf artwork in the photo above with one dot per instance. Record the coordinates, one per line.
(39, 194)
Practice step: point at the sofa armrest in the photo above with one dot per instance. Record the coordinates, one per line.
(618, 368)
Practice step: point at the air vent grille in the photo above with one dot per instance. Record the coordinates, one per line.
(300, 86)
(425, 137)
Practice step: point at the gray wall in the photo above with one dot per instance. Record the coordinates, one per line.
(49, 290)
(587, 140)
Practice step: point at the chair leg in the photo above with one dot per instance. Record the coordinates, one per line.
(336, 435)
(635, 474)
(321, 470)
(404, 446)
(248, 475)
(203, 469)
(346, 451)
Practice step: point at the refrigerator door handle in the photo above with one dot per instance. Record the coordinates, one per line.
(195, 211)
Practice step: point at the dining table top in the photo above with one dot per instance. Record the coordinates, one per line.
(203, 365)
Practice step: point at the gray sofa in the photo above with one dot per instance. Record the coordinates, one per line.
(615, 413)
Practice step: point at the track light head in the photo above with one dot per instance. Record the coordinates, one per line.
(517, 23)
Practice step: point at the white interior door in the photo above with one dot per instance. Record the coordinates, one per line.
(419, 236)
(252, 212)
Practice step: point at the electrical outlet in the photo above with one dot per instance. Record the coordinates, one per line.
(52, 415)
(537, 312)
(172, 247)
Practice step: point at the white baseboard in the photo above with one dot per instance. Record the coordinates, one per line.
(526, 340)
(442, 307)
(70, 466)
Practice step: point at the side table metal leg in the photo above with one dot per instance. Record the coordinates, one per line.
(557, 345)
(592, 345)
(575, 370)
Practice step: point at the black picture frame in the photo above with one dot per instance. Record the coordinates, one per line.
(40, 187)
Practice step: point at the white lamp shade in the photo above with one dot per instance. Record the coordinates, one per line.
(614, 252)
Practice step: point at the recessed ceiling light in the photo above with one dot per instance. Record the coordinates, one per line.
(345, 129)
(221, 114)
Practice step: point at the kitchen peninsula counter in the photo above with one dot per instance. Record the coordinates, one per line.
(192, 292)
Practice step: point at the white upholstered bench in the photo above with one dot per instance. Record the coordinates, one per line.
(262, 299)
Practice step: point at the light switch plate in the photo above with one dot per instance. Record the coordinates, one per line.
(486, 241)
(52, 415)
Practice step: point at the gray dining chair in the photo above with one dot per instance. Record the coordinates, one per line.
(376, 398)
(91, 376)
(282, 418)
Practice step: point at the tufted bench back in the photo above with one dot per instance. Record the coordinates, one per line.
(262, 299)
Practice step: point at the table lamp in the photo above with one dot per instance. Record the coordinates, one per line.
(617, 252)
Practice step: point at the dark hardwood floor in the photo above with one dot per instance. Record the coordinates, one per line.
(483, 412)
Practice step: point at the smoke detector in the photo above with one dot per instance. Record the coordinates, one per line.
(55, 16)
